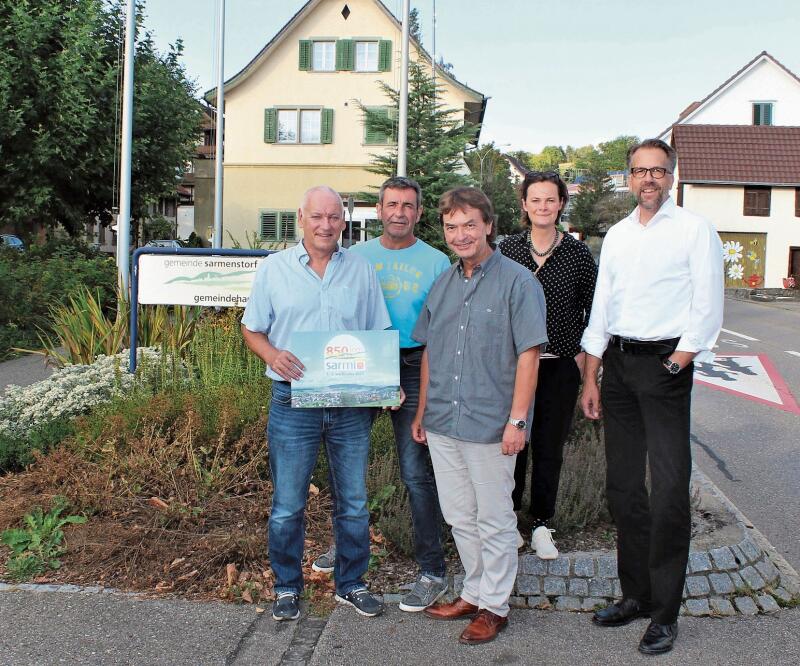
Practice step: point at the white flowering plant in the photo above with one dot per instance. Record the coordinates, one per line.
(76, 389)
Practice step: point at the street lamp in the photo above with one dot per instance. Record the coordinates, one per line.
(490, 148)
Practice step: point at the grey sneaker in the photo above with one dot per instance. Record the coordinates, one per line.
(286, 606)
(324, 563)
(427, 590)
(363, 601)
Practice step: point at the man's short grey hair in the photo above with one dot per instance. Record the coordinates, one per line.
(319, 188)
(672, 154)
(400, 183)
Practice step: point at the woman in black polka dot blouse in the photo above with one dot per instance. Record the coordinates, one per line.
(568, 272)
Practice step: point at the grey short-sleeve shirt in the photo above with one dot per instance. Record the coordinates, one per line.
(475, 329)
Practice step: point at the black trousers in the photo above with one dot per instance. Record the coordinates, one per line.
(556, 393)
(646, 417)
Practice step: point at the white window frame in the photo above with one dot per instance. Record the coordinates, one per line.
(362, 55)
(299, 138)
(327, 59)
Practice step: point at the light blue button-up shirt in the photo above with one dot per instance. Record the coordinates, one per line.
(288, 296)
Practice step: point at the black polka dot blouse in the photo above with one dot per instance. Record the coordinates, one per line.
(568, 278)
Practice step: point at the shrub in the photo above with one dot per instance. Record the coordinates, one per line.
(86, 330)
(33, 282)
(69, 391)
(17, 451)
(582, 491)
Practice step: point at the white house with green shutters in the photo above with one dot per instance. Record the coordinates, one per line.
(293, 115)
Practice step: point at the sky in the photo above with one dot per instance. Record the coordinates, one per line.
(557, 72)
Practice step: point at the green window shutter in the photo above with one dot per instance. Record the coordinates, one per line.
(270, 125)
(345, 54)
(288, 220)
(269, 225)
(306, 48)
(385, 55)
(375, 135)
(326, 129)
(767, 114)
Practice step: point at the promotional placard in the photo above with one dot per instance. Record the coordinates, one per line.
(196, 280)
(347, 369)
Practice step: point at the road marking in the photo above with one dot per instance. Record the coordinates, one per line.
(740, 335)
(793, 353)
(750, 376)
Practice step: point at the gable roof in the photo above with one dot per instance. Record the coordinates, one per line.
(738, 154)
(211, 95)
(690, 110)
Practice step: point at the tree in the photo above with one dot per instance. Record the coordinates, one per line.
(414, 28)
(548, 159)
(611, 209)
(60, 68)
(495, 181)
(615, 152)
(435, 145)
(596, 187)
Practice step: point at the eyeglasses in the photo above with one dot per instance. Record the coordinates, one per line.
(656, 172)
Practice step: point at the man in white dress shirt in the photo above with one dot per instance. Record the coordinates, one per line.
(657, 307)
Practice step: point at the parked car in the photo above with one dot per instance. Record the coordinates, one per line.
(9, 240)
(174, 244)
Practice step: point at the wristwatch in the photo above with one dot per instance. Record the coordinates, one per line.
(672, 367)
(519, 424)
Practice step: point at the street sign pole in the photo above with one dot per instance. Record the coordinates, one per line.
(402, 124)
(220, 127)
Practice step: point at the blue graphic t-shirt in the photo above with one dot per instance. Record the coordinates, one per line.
(406, 277)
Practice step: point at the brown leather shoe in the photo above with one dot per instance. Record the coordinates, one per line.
(452, 611)
(483, 628)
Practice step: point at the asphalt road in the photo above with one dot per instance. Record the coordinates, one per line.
(41, 628)
(749, 449)
(23, 371)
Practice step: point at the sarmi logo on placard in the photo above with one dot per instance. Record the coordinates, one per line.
(345, 356)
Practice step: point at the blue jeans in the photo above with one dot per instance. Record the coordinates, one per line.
(416, 473)
(294, 437)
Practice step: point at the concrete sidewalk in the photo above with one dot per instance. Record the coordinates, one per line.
(40, 628)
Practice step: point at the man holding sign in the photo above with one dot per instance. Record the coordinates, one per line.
(315, 286)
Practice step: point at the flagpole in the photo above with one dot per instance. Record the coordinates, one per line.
(402, 125)
(220, 127)
(124, 219)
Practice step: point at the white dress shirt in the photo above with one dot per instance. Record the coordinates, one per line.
(658, 281)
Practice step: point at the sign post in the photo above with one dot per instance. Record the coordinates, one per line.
(191, 276)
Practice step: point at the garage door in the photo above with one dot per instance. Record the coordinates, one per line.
(745, 256)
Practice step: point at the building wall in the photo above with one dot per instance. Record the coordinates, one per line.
(261, 175)
(724, 205)
(766, 82)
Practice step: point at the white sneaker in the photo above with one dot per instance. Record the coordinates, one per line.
(542, 543)
(520, 540)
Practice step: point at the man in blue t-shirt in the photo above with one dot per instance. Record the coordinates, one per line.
(407, 268)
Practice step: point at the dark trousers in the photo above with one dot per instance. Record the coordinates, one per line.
(556, 393)
(646, 417)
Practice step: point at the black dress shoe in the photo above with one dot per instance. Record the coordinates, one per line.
(621, 613)
(658, 638)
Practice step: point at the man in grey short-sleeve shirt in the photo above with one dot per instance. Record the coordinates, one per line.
(483, 323)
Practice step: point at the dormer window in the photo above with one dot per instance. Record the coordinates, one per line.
(762, 113)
